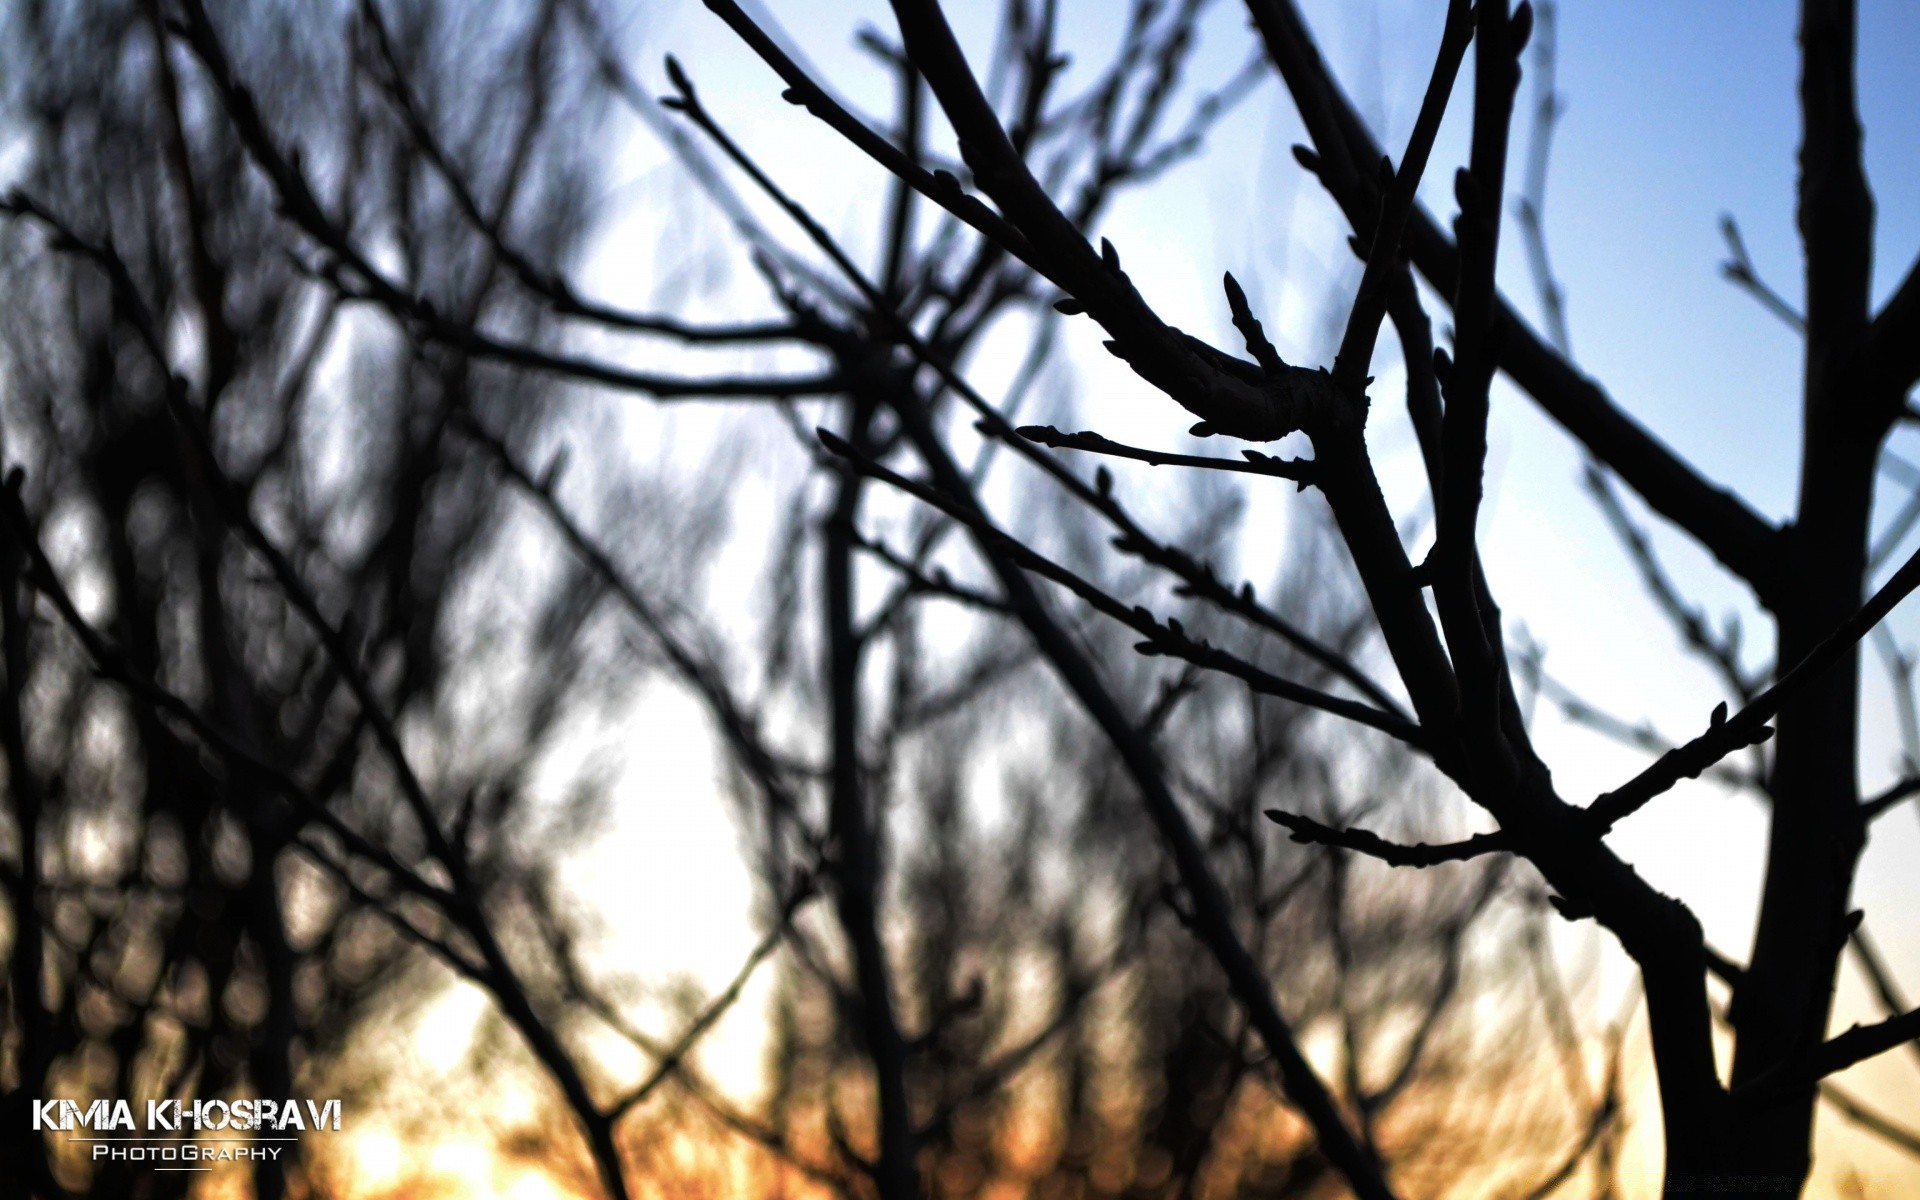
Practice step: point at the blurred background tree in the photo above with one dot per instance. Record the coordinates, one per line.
(173, 930)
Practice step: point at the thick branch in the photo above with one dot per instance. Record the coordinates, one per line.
(1230, 395)
(1739, 537)
(1832, 1056)
(1836, 209)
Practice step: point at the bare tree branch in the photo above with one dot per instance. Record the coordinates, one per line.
(1308, 831)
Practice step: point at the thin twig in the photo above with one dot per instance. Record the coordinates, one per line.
(1420, 854)
(1739, 269)
(1163, 638)
(1749, 726)
(676, 1054)
(1254, 462)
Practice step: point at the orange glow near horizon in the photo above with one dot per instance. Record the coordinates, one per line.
(470, 1156)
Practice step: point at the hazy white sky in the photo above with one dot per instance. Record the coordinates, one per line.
(1677, 112)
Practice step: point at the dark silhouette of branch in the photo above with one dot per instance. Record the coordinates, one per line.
(1749, 727)
(919, 582)
(1228, 395)
(1345, 151)
(1167, 637)
(1879, 976)
(1888, 800)
(1888, 361)
(1836, 1054)
(1310, 832)
(1498, 41)
(1642, 736)
(940, 187)
(1255, 463)
(1197, 578)
(1401, 188)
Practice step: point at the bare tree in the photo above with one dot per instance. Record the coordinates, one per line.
(1749, 1133)
(290, 653)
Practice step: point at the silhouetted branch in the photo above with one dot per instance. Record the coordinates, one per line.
(1888, 358)
(1727, 526)
(1879, 976)
(1164, 638)
(935, 583)
(1197, 578)
(1308, 831)
(1642, 736)
(1401, 188)
(1876, 807)
(1255, 463)
(1836, 1054)
(1748, 727)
